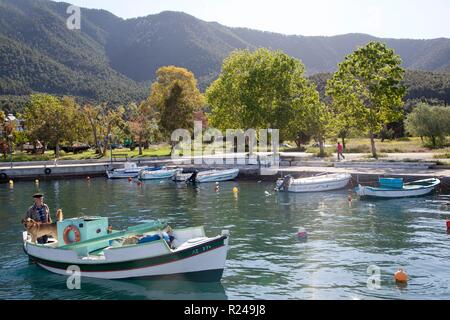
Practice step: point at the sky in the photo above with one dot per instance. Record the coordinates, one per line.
(414, 19)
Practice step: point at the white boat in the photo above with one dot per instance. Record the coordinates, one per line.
(314, 184)
(130, 170)
(395, 188)
(207, 176)
(160, 174)
(142, 251)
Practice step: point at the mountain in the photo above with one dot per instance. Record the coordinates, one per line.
(113, 59)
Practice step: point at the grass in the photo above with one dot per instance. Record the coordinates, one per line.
(442, 156)
(362, 145)
(153, 151)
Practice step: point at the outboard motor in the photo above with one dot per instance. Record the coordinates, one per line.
(193, 177)
(283, 184)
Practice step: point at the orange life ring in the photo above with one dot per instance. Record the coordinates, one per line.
(75, 231)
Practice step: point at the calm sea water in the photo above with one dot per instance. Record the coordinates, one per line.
(266, 260)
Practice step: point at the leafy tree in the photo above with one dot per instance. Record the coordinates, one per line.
(368, 84)
(317, 124)
(175, 96)
(102, 122)
(51, 120)
(428, 121)
(259, 90)
(143, 124)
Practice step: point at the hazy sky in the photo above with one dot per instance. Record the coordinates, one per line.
(418, 19)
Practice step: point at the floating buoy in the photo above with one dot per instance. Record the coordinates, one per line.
(129, 179)
(401, 276)
(36, 181)
(235, 190)
(302, 234)
(448, 225)
(11, 183)
(88, 178)
(139, 183)
(217, 187)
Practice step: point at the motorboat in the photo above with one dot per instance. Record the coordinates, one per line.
(130, 170)
(157, 174)
(326, 182)
(396, 188)
(207, 176)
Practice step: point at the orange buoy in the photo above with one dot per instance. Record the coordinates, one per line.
(235, 190)
(401, 276)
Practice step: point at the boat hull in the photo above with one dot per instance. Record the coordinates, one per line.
(157, 175)
(323, 184)
(203, 262)
(209, 176)
(363, 191)
(413, 189)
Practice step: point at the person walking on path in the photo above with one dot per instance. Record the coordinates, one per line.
(340, 151)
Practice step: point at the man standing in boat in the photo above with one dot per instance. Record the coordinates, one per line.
(340, 151)
(39, 212)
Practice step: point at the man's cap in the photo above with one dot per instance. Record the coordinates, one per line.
(38, 195)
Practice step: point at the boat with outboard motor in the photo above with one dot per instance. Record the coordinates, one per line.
(160, 174)
(207, 176)
(396, 188)
(147, 250)
(129, 170)
(323, 182)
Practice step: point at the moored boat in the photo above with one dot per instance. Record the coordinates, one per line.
(396, 188)
(130, 170)
(207, 176)
(320, 183)
(160, 174)
(148, 250)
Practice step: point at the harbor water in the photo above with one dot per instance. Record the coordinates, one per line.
(352, 249)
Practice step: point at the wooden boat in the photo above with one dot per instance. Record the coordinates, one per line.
(207, 176)
(161, 174)
(395, 188)
(143, 251)
(320, 183)
(130, 170)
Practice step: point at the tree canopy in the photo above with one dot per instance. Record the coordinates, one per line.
(367, 87)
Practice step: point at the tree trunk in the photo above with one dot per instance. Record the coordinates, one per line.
(57, 150)
(140, 148)
(433, 141)
(322, 148)
(343, 143)
(372, 142)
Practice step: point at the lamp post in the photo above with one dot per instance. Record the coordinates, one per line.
(10, 140)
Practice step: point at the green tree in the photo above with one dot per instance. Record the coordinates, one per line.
(317, 124)
(103, 121)
(428, 121)
(176, 97)
(368, 87)
(51, 120)
(259, 90)
(143, 124)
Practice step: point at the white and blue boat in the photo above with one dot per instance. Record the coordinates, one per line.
(129, 170)
(396, 188)
(157, 173)
(207, 176)
(149, 250)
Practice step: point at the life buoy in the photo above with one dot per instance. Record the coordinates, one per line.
(76, 233)
(48, 171)
(3, 176)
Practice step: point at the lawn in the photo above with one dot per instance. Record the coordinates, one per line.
(153, 151)
(361, 145)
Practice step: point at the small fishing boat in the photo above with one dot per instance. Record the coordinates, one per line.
(207, 176)
(319, 183)
(396, 188)
(130, 170)
(149, 250)
(157, 174)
